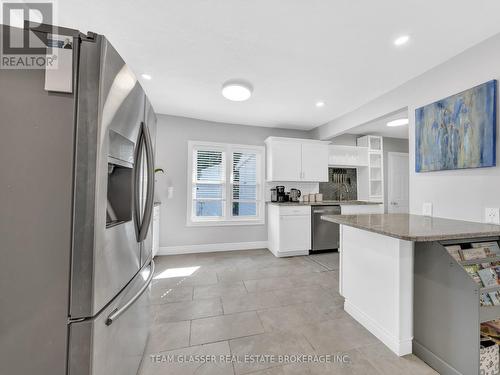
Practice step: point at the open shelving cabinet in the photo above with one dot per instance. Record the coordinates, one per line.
(371, 179)
(447, 314)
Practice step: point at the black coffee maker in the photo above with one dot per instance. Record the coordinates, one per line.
(281, 195)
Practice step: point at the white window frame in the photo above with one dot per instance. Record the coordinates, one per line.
(228, 219)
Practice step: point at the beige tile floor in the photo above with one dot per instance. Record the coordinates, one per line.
(241, 303)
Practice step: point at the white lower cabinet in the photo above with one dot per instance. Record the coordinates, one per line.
(289, 230)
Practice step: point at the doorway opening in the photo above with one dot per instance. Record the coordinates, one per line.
(382, 175)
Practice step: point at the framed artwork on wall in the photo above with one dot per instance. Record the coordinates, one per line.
(457, 132)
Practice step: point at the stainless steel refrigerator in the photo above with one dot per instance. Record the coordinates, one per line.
(76, 198)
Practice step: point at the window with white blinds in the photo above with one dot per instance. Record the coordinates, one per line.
(208, 186)
(244, 187)
(226, 184)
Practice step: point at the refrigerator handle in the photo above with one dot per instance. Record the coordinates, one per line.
(148, 211)
(137, 180)
(115, 314)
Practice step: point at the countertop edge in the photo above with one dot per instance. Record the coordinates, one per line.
(325, 203)
(423, 238)
(373, 230)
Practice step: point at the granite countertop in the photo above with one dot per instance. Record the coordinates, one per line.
(415, 227)
(324, 203)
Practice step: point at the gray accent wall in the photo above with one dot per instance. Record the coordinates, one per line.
(172, 139)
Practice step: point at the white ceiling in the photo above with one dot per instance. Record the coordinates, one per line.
(379, 127)
(294, 52)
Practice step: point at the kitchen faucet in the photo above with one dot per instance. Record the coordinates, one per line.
(346, 187)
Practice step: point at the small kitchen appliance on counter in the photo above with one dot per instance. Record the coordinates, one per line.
(295, 195)
(282, 196)
(274, 195)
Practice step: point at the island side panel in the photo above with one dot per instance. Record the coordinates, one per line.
(446, 320)
(377, 283)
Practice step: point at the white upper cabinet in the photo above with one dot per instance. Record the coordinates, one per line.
(314, 162)
(283, 161)
(293, 159)
(348, 156)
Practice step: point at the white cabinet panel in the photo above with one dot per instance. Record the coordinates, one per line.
(295, 233)
(315, 162)
(293, 159)
(347, 156)
(289, 230)
(295, 210)
(284, 161)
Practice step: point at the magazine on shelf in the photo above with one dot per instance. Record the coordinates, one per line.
(485, 300)
(491, 330)
(495, 297)
(473, 270)
(488, 276)
(491, 264)
(493, 324)
(476, 253)
(492, 246)
(454, 251)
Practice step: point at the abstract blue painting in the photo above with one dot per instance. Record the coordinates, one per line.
(457, 132)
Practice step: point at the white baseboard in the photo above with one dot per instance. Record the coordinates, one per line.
(283, 254)
(213, 247)
(399, 347)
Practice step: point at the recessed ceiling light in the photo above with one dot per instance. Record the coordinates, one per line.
(398, 122)
(146, 76)
(237, 91)
(320, 104)
(403, 39)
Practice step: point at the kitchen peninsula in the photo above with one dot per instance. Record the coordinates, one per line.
(400, 282)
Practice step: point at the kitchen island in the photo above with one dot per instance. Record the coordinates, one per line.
(377, 268)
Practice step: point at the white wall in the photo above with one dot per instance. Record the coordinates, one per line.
(345, 140)
(171, 155)
(460, 194)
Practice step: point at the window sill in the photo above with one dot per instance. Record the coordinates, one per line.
(224, 223)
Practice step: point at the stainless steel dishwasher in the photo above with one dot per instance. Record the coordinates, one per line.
(325, 234)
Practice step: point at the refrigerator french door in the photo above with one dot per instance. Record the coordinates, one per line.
(148, 166)
(76, 199)
(116, 309)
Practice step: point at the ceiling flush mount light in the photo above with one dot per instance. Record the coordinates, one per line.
(147, 77)
(237, 91)
(320, 104)
(398, 122)
(403, 39)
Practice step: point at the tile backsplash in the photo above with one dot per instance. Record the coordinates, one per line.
(339, 179)
(304, 187)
